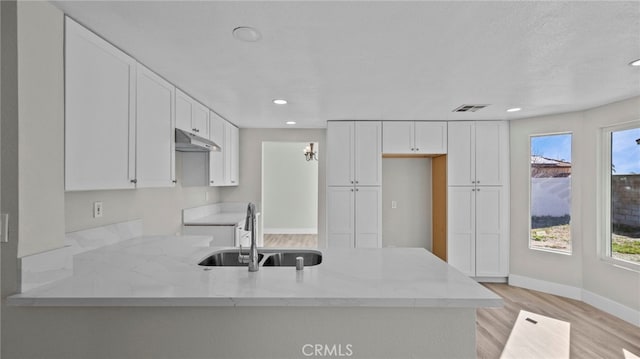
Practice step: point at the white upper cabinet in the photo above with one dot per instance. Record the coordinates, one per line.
(354, 152)
(478, 153)
(368, 153)
(155, 154)
(430, 137)
(414, 137)
(216, 158)
(191, 116)
(340, 157)
(99, 113)
(232, 166)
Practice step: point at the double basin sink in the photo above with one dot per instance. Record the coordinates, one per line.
(266, 258)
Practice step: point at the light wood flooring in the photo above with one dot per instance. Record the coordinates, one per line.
(290, 240)
(594, 333)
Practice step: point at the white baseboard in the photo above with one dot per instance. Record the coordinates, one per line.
(605, 304)
(290, 230)
(562, 290)
(614, 308)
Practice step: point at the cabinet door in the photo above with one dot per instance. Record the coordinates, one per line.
(461, 154)
(368, 153)
(340, 217)
(397, 137)
(183, 111)
(368, 217)
(491, 153)
(155, 151)
(340, 159)
(234, 164)
(491, 232)
(99, 113)
(430, 137)
(216, 158)
(200, 119)
(461, 229)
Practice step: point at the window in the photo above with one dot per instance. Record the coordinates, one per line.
(550, 193)
(622, 193)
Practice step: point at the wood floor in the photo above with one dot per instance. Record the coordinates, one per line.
(594, 333)
(290, 240)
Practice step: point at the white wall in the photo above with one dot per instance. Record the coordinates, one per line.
(159, 208)
(408, 182)
(250, 188)
(41, 127)
(290, 189)
(583, 269)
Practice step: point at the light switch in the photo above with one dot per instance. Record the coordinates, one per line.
(394, 204)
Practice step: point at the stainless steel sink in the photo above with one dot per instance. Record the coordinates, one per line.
(227, 258)
(288, 259)
(266, 258)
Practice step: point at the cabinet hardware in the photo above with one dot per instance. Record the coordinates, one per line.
(356, 182)
(134, 181)
(352, 190)
(352, 182)
(174, 181)
(417, 149)
(357, 189)
(211, 181)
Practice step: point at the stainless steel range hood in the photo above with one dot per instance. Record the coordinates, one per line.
(188, 142)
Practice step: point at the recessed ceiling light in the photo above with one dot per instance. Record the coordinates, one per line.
(514, 109)
(280, 101)
(247, 33)
(291, 122)
(635, 63)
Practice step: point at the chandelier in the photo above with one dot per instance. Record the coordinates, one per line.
(309, 153)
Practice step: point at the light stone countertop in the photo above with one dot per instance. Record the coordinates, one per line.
(217, 219)
(163, 271)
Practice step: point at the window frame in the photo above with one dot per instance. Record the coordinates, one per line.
(604, 222)
(571, 223)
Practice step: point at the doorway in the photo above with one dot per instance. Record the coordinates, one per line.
(290, 194)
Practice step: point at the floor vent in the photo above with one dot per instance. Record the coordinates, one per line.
(469, 108)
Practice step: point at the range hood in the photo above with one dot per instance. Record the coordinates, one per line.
(189, 142)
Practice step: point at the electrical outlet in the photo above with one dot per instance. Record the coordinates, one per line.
(394, 204)
(97, 209)
(4, 227)
(206, 196)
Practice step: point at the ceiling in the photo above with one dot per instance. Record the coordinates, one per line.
(360, 60)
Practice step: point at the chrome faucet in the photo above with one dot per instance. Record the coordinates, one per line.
(250, 225)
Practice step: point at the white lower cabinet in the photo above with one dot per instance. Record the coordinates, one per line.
(354, 217)
(478, 230)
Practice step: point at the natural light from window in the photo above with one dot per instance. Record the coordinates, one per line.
(550, 193)
(623, 239)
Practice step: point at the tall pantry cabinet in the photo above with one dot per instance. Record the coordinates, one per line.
(354, 179)
(478, 198)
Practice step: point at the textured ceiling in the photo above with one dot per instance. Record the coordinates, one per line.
(380, 60)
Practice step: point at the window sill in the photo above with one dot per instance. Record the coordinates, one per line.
(550, 250)
(618, 263)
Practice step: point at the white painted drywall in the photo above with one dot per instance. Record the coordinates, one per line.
(290, 189)
(250, 187)
(583, 268)
(407, 181)
(41, 127)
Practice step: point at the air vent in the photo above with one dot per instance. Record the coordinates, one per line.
(469, 108)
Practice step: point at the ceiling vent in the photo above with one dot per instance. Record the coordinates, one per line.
(469, 108)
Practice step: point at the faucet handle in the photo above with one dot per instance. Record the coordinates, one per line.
(242, 258)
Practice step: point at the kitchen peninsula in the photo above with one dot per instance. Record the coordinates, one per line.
(420, 306)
